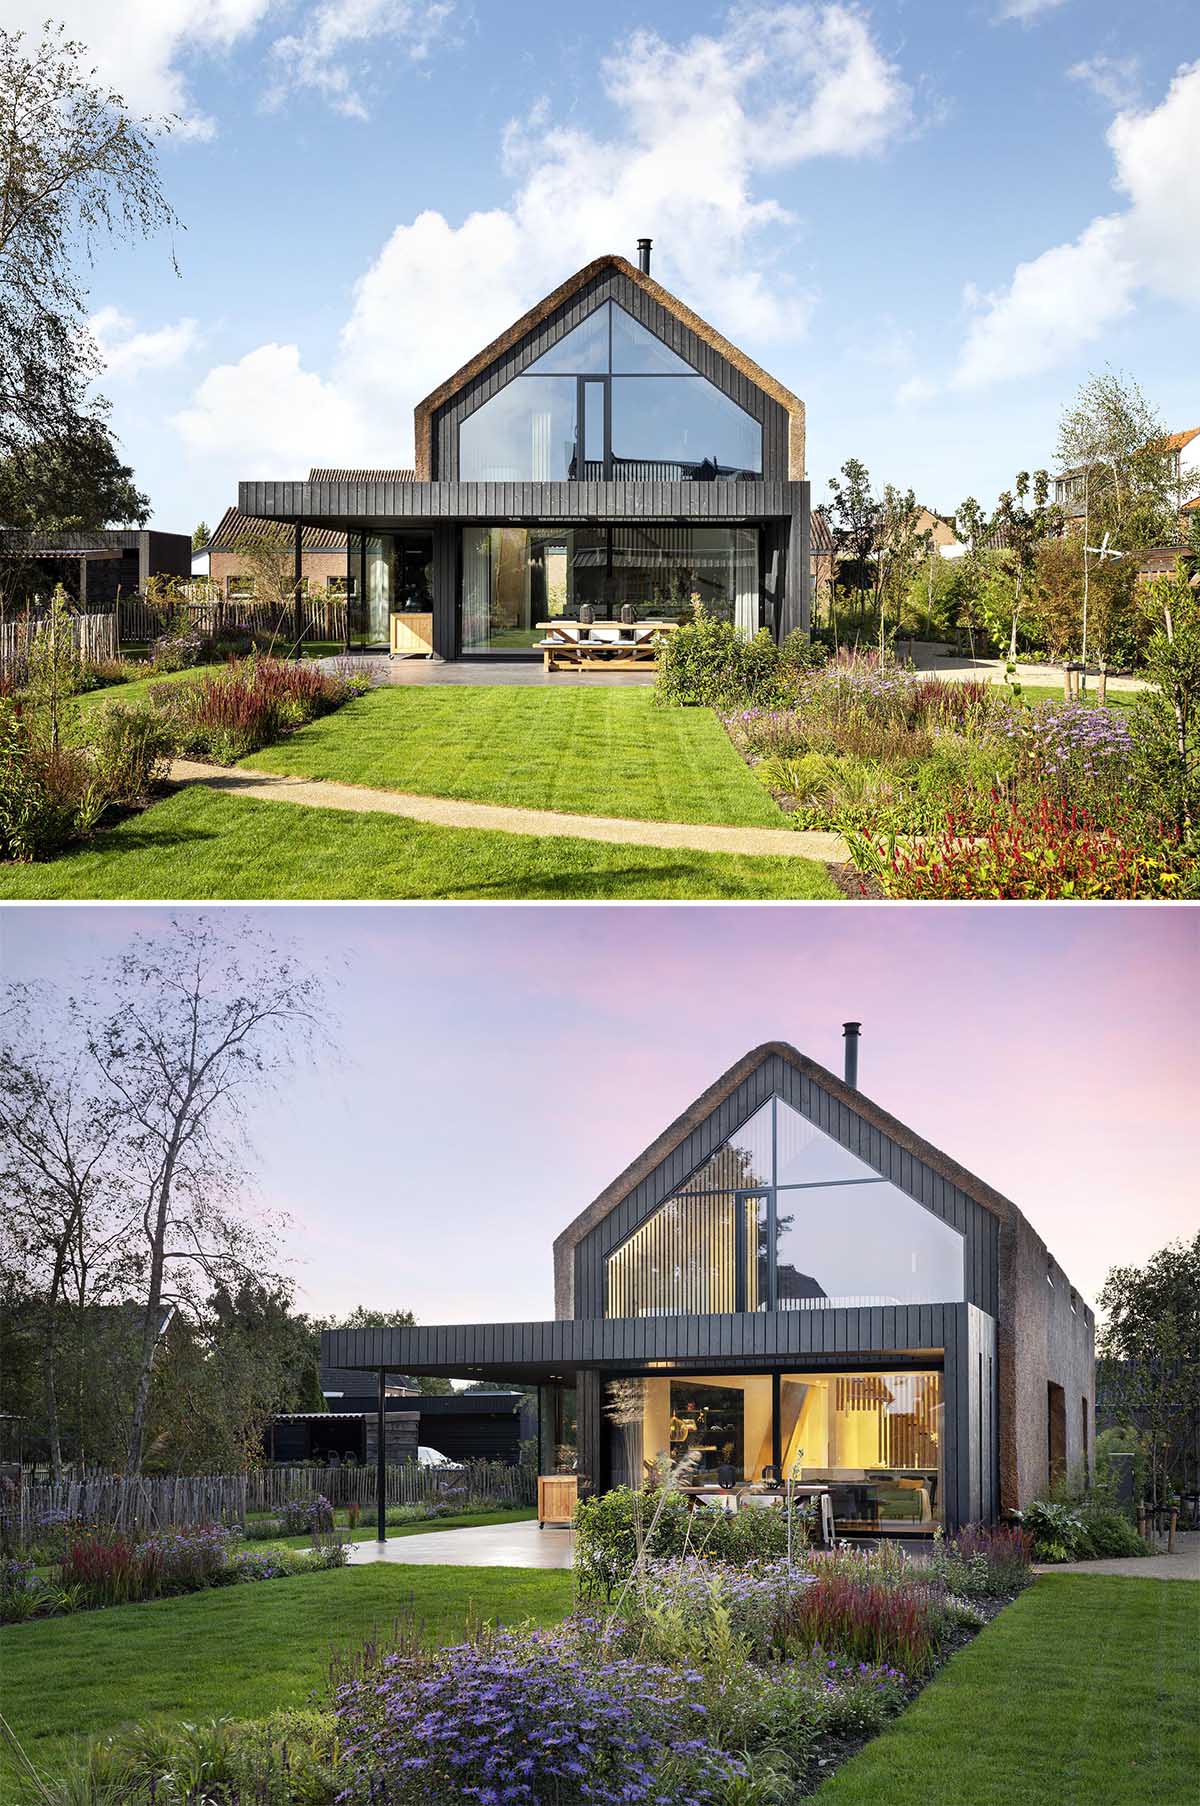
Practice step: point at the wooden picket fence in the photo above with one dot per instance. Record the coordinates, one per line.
(323, 617)
(171, 1501)
(94, 637)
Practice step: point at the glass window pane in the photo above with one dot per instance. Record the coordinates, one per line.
(743, 1161)
(876, 1438)
(523, 434)
(636, 351)
(851, 1246)
(513, 577)
(583, 351)
(680, 1262)
(808, 1156)
(677, 429)
(593, 424)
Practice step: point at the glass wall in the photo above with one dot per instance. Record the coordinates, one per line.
(517, 577)
(389, 573)
(610, 400)
(782, 1217)
(875, 1437)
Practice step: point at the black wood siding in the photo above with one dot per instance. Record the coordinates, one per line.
(381, 506)
(703, 358)
(978, 1226)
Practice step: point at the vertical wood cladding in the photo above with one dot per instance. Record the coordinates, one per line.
(613, 286)
(977, 1225)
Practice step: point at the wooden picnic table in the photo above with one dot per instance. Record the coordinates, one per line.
(623, 644)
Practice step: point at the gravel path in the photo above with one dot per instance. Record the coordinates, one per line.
(451, 812)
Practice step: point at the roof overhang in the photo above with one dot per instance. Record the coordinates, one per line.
(379, 506)
(554, 1351)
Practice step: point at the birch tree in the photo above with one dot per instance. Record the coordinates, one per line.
(201, 1024)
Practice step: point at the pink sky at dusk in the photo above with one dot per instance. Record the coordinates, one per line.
(496, 1066)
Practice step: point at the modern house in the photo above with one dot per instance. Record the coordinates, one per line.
(800, 1284)
(610, 452)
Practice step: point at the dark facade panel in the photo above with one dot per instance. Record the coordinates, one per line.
(383, 505)
(979, 1227)
(614, 286)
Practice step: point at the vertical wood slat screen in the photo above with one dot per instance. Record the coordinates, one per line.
(681, 1262)
(907, 1434)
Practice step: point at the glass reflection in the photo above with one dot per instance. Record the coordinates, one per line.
(666, 429)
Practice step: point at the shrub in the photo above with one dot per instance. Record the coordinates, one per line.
(312, 1511)
(48, 798)
(1048, 850)
(983, 1561)
(227, 713)
(709, 663)
(1079, 1530)
(608, 1530)
(131, 748)
(288, 1759)
(869, 1621)
(184, 1561)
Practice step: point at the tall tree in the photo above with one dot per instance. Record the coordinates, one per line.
(76, 168)
(61, 1224)
(854, 515)
(1151, 1330)
(200, 1022)
(1024, 517)
(200, 535)
(74, 484)
(1112, 447)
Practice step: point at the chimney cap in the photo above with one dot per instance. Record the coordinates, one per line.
(851, 1028)
(643, 245)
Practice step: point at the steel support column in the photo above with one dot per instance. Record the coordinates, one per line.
(297, 582)
(381, 1458)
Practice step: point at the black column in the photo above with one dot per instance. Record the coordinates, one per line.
(381, 1458)
(297, 580)
(776, 1426)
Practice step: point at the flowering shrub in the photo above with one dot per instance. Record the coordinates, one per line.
(527, 1719)
(983, 1561)
(1050, 850)
(1073, 753)
(311, 1512)
(869, 1621)
(226, 713)
(183, 1561)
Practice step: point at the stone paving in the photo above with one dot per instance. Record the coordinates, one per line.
(520, 1545)
(1182, 1564)
(452, 812)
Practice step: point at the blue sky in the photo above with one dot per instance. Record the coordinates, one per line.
(929, 220)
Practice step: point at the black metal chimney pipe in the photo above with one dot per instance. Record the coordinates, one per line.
(644, 245)
(850, 1032)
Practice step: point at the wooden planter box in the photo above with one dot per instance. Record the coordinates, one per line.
(557, 1494)
(412, 633)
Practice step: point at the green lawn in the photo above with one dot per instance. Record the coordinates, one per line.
(239, 1652)
(1115, 699)
(1083, 1693)
(367, 1532)
(588, 751)
(200, 845)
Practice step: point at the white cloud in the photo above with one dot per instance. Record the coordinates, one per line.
(315, 57)
(263, 408)
(1070, 295)
(699, 125)
(1025, 10)
(127, 353)
(1112, 79)
(135, 44)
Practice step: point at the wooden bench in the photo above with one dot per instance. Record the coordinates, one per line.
(572, 645)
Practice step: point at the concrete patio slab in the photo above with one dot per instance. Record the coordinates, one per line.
(482, 1546)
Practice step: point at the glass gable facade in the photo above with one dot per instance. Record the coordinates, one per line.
(781, 1217)
(609, 401)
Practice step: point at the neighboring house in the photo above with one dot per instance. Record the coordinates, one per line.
(97, 567)
(801, 1284)
(323, 564)
(610, 451)
(464, 1426)
(1182, 450)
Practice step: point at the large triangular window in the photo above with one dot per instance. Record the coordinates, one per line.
(782, 1217)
